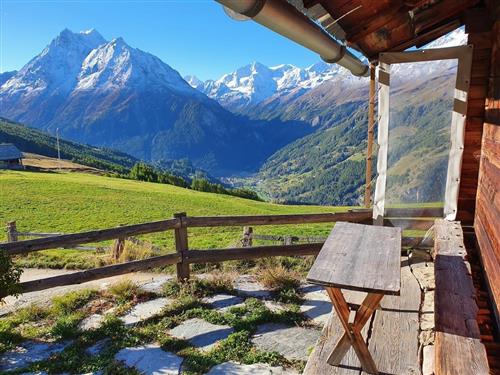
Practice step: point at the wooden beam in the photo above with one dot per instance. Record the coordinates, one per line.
(411, 212)
(97, 273)
(427, 37)
(221, 255)
(374, 23)
(23, 247)
(224, 221)
(369, 145)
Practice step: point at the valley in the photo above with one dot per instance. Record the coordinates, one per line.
(294, 135)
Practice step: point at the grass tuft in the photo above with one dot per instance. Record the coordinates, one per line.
(125, 291)
(196, 287)
(278, 278)
(72, 301)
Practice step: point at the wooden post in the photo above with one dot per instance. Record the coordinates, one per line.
(11, 231)
(181, 246)
(288, 240)
(247, 239)
(369, 146)
(118, 247)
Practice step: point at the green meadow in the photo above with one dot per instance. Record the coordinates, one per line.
(74, 202)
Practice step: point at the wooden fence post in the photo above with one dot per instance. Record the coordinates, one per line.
(181, 246)
(11, 231)
(247, 240)
(118, 247)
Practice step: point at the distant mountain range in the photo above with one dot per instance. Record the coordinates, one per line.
(299, 132)
(107, 93)
(256, 83)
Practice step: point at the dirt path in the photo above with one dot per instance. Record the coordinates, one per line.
(44, 297)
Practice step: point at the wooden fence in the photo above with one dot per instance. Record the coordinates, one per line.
(183, 256)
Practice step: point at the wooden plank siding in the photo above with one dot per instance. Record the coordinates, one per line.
(480, 37)
(487, 215)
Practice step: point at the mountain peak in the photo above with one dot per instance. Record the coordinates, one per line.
(194, 81)
(118, 41)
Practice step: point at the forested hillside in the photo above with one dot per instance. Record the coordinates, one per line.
(38, 142)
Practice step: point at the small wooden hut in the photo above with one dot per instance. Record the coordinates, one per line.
(10, 156)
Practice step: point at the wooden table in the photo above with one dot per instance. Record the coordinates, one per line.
(364, 258)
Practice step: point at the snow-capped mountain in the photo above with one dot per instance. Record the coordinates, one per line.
(108, 93)
(256, 84)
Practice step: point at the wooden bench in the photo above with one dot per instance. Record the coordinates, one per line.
(458, 349)
(361, 258)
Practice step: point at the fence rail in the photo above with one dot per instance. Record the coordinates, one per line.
(183, 256)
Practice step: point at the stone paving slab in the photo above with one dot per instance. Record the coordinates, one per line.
(233, 368)
(247, 285)
(29, 352)
(316, 306)
(98, 347)
(145, 310)
(425, 277)
(156, 285)
(200, 333)
(93, 321)
(428, 362)
(275, 307)
(223, 302)
(290, 342)
(150, 360)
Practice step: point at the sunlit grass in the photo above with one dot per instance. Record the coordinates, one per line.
(74, 202)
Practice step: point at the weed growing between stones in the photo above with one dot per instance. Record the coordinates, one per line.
(71, 301)
(199, 287)
(124, 291)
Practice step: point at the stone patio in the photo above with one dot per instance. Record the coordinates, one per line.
(233, 368)
(248, 286)
(201, 334)
(223, 302)
(150, 359)
(290, 342)
(145, 310)
(93, 321)
(29, 352)
(316, 306)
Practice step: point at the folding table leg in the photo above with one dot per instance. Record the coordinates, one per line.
(352, 335)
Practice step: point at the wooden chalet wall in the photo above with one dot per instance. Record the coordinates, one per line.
(480, 37)
(485, 121)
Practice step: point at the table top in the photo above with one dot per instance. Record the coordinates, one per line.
(360, 257)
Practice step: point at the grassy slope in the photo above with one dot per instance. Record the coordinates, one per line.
(72, 202)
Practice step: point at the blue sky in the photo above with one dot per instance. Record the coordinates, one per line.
(194, 37)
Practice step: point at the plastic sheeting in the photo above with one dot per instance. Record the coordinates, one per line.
(422, 104)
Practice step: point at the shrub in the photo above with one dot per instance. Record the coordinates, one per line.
(66, 326)
(9, 276)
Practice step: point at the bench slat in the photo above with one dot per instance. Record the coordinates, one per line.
(458, 346)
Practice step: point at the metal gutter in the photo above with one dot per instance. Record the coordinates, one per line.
(285, 19)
